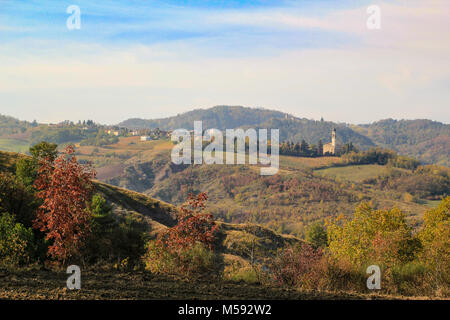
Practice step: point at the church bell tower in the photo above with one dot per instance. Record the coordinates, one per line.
(333, 137)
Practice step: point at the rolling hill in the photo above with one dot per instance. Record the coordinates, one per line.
(219, 117)
(426, 140)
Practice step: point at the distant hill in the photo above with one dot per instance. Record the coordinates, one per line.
(219, 117)
(230, 117)
(426, 140)
(10, 125)
(295, 130)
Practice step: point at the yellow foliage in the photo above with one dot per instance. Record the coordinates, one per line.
(372, 235)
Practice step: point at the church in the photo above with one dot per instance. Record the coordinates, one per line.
(332, 147)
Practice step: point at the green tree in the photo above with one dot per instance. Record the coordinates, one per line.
(26, 170)
(16, 242)
(320, 148)
(17, 198)
(114, 238)
(317, 235)
(44, 150)
(304, 147)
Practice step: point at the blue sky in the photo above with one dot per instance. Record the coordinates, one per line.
(312, 58)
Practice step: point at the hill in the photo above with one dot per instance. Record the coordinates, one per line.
(296, 130)
(219, 117)
(230, 117)
(10, 125)
(426, 140)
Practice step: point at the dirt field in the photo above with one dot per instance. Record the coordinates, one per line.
(24, 285)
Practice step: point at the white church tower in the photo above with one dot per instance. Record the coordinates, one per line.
(333, 138)
(331, 148)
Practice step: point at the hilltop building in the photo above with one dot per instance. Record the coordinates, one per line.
(332, 147)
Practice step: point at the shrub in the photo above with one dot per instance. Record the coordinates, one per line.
(341, 275)
(193, 226)
(190, 262)
(186, 248)
(411, 279)
(317, 235)
(114, 238)
(16, 242)
(245, 274)
(297, 266)
(17, 198)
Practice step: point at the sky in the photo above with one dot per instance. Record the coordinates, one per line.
(152, 59)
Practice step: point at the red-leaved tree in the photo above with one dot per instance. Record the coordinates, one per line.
(193, 225)
(65, 187)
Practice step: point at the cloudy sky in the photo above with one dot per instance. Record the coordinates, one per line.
(311, 58)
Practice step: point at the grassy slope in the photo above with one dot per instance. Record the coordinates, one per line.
(354, 173)
(159, 215)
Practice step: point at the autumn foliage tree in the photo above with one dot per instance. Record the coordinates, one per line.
(381, 236)
(65, 188)
(186, 248)
(193, 226)
(435, 237)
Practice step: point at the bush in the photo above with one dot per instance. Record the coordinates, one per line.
(317, 235)
(297, 266)
(412, 279)
(245, 274)
(187, 248)
(341, 275)
(26, 170)
(17, 198)
(114, 239)
(16, 242)
(191, 262)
